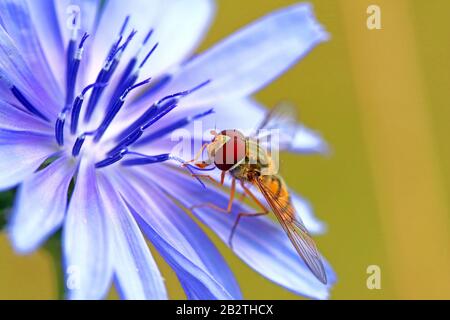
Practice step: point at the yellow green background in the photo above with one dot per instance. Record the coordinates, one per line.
(381, 98)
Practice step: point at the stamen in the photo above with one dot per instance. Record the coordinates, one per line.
(169, 106)
(105, 74)
(185, 93)
(78, 103)
(76, 149)
(72, 44)
(127, 42)
(148, 55)
(113, 51)
(129, 76)
(147, 37)
(124, 25)
(78, 145)
(149, 113)
(156, 87)
(123, 83)
(176, 125)
(144, 159)
(26, 103)
(128, 141)
(71, 52)
(59, 128)
(74, 61)
(151, 116)
(111, 160)
(115, 110)
(166, 102)
(134, 135)
(133, 61)
(83, 40)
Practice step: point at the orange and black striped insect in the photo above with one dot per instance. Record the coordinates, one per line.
(249, 163)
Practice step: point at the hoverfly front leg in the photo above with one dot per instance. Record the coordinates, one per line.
(198, 155)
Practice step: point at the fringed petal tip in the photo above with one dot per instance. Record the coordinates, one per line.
(308, 141)
(316, 27)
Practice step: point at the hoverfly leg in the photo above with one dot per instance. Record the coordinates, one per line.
(240, 215)
(232, 192)
(208, 205)
(264, 212)
(222, 177)
(248, 192)
(207, 176)
(198, 155)
(219, 184)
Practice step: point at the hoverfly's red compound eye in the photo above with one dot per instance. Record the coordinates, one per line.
(231, 152)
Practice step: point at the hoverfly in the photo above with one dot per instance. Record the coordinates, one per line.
(245, 159)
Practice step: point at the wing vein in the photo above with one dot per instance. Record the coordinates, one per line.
(293, 226)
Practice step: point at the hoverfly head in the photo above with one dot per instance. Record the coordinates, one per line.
(218, 141)
(229, 149)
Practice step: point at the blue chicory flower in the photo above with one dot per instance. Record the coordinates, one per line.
(90, 157)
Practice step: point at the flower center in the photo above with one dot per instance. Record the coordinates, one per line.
(115, 150)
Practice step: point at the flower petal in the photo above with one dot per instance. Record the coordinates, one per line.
(304, 210)
(87, 241)
(308, 141)
(16, 18)
(45, 20)
(13, 118)
(203, 273)
(259, 242)
(181, 27)
(251, 58)
(14, 70)
(21, 153)
(37, 212)
(136, 271)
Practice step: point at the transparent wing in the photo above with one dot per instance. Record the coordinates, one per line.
(275, 193)
(280, 123)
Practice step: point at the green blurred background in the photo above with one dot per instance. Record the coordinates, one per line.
(381, 99)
